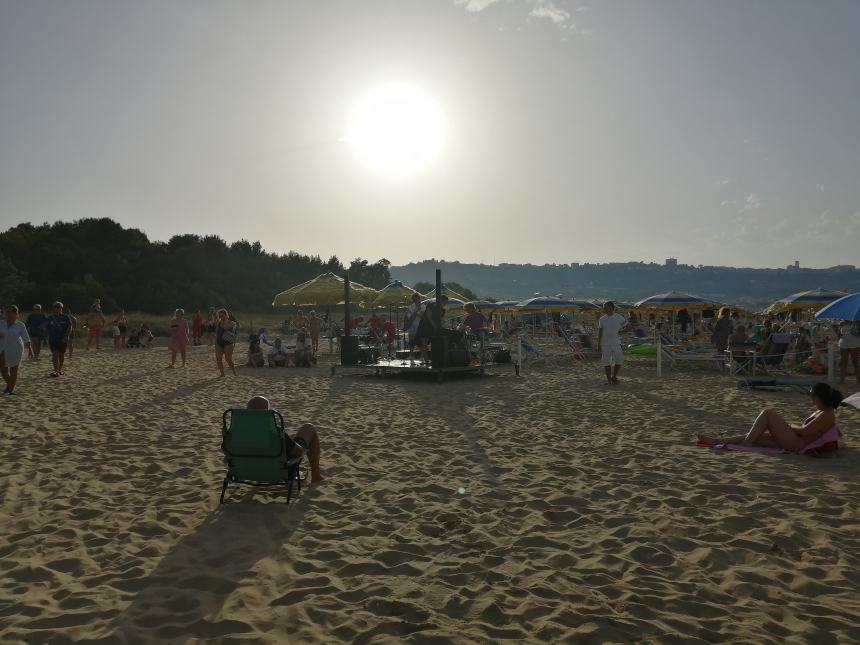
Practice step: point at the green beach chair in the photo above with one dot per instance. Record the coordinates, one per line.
(257, 450)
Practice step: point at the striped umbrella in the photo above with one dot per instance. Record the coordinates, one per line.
(484, 305)
(506, 306)
(846, 308)
(675, 301)
(813, 299)
(544, 304)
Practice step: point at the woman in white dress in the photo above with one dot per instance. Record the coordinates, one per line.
(13, 339)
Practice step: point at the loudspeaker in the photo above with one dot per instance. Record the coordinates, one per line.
(439, 352)
(348, 350)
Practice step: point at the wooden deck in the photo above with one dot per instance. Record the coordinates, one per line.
(384, 367)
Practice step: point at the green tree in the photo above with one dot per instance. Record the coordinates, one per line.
(12, 281)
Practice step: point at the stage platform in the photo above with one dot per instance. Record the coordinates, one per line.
(384, 367)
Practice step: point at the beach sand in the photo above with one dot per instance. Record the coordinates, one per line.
(546, 508)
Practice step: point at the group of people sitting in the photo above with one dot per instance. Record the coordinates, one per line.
(277, 353)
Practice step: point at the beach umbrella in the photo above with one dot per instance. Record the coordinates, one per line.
(813, 299)
(550, 304)
(325, 289)
(484, 305)
(506, 306)
(846, 308)
(431, 295)
(395, 294)
(675, 301)
(452, 302)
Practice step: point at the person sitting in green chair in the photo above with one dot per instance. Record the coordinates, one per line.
(306, 438)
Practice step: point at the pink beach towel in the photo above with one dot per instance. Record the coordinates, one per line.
(829, 437)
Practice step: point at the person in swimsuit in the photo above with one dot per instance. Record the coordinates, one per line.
(120, 324)
(211, 325)
(71, 339)
(178, 341)
(306, 440)
(225, 341)
(771, 430)
(95, 322)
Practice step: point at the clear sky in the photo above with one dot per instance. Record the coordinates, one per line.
(717, 132)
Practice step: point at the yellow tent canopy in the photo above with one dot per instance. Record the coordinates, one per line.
(325, 289)
(395, 294)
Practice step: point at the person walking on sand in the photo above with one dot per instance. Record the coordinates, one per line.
(95, 323)
(610, 327)
(314, 324)
(225, 341)
(13, 339)
(307, 439)
(71, 336)
(60, 326)
(211, 326)
(36, 328)
(196, 328)
(178, 341)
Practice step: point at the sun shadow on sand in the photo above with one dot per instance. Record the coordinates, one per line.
(185, 594)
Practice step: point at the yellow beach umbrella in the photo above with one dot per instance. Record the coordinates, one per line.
(326, 289)
(395, 294)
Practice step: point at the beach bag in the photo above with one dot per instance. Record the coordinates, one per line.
(229, 335)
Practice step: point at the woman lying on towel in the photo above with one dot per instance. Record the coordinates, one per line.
(770, 430)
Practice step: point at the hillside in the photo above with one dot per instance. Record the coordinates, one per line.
(631, 280)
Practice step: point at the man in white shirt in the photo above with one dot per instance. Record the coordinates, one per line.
(610, 327)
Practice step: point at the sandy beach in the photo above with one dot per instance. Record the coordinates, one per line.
(546, 508)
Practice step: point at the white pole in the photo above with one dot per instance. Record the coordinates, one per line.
(520, 354)
(659, 355)
(831, 362)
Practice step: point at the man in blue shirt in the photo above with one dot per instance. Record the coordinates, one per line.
(59, 326)
(36, 328)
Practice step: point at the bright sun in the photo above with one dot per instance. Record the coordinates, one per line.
(397, 129)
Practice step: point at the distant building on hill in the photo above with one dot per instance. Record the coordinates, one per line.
(792, 267)
(671, 262)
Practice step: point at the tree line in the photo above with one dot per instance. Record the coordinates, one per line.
(79, 261)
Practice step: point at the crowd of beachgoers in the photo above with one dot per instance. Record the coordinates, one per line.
(801, 341)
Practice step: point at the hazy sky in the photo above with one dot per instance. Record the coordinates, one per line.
(719, 132)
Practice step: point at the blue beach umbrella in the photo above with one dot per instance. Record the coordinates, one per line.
(806, 300)
(548, 304)
(484, 305)
(675, 301)
(846, 308)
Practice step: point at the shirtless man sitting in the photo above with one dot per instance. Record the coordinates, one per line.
(306, 439)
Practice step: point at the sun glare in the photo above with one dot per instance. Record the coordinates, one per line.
(397, 130)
